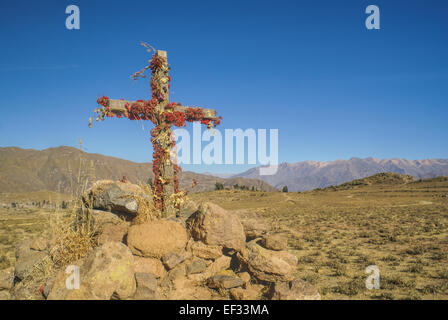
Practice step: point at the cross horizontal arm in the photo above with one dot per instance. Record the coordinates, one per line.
(119, 107)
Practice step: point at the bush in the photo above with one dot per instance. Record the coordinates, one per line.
(285, 189)
(219, 186)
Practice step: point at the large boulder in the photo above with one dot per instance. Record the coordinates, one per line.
(107, 272)
(114, 196)
(268, 265)
(213, 225)
(156, 238)
(294, 290)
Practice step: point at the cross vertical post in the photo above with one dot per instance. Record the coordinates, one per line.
(166, 140)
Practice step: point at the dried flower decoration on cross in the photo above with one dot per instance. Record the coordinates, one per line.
(164, 115)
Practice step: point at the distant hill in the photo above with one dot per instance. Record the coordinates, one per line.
(310, 175)
(384, 178)
(62, 169)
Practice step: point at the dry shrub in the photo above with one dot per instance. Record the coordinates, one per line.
(146, 210)
(73, 235)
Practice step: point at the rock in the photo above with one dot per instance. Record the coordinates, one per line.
(186, 289)
(268, 265)
(250, 293)
(114, 196)
(196, 266)
(25, 292)
(213, 225)
(27, 261)
(224, 281)
(204, 251)
(146, 287)
(220, 264)
(5, 295)
(23, 248)
(104, 217)
(105, 273)
(113, 232)
(156, 238)
(255, 228)
(6, 278)
(39, 244)
(294, 290)
(178, 272)
(171, 260)
(146, 294)
(275, 242)
(47, 288)
(149, 265)
(245, 276)
(146, 280)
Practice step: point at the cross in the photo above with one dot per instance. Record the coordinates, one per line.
(163, 114)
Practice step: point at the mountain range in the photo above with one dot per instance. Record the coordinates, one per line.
(66, 169)
(308, 175)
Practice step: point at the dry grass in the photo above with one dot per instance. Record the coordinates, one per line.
(146, 210)
(71, 240)
(336, 234)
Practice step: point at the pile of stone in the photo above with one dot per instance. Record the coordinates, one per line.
(205, 256)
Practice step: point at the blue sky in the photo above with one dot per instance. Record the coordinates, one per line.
(334, 89)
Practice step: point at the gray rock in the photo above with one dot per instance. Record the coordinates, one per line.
(47, 288)
(114, 196)
(146, 294)
(196, 266)
(171, 260)
(146, 280)
(221, 281)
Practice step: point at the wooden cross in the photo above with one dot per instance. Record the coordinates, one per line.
(163, 114)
